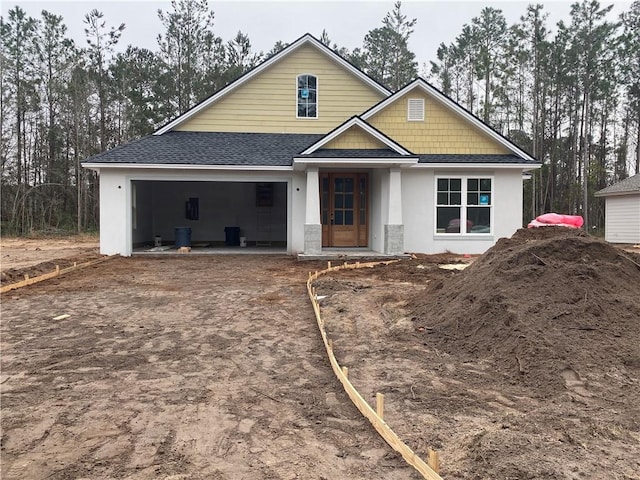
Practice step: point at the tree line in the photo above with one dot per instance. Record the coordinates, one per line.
(571, 98)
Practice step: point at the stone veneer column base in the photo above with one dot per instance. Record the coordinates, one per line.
(393, 239)
(312, 239)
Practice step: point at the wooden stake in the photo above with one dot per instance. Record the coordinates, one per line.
(433, 460)
(380, 405)
(345, 370)
(26, 276)
(57, 269)
(329, 265)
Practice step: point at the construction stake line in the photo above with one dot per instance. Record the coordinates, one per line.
(56, 273)
(428, 471)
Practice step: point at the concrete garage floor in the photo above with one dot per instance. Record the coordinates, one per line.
(327, 254)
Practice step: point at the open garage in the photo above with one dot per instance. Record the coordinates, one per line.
(215, 214)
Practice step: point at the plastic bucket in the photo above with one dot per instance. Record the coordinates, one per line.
(183, 237)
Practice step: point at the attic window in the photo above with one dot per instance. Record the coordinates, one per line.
(415, 110)
(307, 93)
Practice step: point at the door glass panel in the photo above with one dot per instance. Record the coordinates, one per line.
(348, 217)
(348, 201)
(338, 185)
(348, 185)
(338, 200)
(338, 218)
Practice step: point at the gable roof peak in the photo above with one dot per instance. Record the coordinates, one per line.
(453, 106)
(306, 39)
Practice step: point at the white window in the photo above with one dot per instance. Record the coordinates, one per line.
(415, 109)
(464, 205)
(307, 96)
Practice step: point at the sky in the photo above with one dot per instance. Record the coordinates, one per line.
(266, 22)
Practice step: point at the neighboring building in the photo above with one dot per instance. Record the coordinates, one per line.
(622, 211)
(308, 152)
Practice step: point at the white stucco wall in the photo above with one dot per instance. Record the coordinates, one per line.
(116, 233)
(115, 214)
(418, 199)
(622, 219)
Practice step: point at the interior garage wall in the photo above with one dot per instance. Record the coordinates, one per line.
(221, 204)
(142, 230)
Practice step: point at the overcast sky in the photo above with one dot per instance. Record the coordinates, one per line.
(269, 21)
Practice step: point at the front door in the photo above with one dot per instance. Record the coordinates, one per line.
(343, 205)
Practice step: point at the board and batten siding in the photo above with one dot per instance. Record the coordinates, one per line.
(354, 138)
(267, 102)
(622, 218)
(441, 132)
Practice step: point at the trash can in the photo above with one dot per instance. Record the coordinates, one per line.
(183, 237)
(232, 236)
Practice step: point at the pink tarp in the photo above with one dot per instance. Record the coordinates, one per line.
(556, 219)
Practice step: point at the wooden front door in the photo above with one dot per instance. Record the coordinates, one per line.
(343, 204)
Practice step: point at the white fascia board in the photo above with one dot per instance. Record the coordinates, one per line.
(475, 166)
(175, 166)
(615, 194)
(355, 121)
(451, 105)
(302, 163)
(266, 64)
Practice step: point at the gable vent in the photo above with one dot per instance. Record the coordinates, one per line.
(415, 110)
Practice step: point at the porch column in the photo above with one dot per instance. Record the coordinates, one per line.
(312, 225)
(394, 229)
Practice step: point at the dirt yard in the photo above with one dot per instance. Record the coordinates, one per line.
(177, 367)
(525, 365)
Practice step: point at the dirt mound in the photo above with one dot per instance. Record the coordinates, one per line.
(552, 308)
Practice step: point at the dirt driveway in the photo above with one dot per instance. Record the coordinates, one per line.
(180, 367)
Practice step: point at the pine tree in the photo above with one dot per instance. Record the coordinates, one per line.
(387, 57)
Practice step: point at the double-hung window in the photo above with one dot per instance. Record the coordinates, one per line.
(464, 205)
(307, 94)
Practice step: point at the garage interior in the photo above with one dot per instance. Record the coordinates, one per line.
(219, 214)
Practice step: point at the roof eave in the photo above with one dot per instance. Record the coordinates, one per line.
(301, 163)
(96, 166)
(469, 165)
(617, 194)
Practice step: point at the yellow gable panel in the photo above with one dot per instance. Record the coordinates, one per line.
(354, 138)
(267, 102)
(442, 131)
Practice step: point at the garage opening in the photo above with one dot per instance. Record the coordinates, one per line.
(166, 214)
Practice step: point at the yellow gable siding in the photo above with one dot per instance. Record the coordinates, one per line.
(354, 137)
(441, 132)
(267, 102)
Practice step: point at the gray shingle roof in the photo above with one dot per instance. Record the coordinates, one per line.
(210, 148)
(255, 149)
(473, 158)
(628, 185)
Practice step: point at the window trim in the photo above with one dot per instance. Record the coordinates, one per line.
(418, 99)
(317, 96)
(463, 207)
